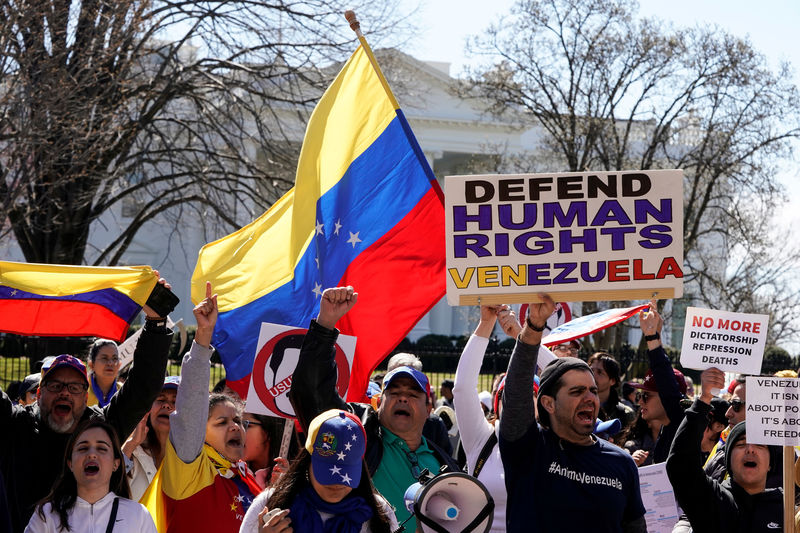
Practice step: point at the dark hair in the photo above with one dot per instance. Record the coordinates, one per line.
(216, 398)
(94, 348)
(64, 493)
(220, 386)
(273, 429)
(296, 479)
(612, 368)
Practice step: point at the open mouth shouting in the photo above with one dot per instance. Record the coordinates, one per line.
(586, 415)
(91, 468)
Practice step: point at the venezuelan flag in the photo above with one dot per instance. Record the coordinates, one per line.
(365, 211)
(65, 300)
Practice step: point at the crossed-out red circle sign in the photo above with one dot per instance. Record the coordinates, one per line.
(276, 346)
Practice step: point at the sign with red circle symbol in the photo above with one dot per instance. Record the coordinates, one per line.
(561, 315)
(276, 358)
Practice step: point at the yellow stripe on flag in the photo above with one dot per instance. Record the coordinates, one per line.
(262, 256)
(135, 282)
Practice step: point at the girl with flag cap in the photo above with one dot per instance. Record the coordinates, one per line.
(327, 488)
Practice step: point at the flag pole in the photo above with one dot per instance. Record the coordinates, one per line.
(355, 25)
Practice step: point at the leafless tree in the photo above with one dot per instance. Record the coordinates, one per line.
(146, 107)
(611, 91)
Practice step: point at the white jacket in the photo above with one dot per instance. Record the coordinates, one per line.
(132, 517)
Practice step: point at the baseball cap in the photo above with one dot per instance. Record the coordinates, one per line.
(66, 361)
(418, 377)
(171, 382)
(649, 383)
(604, 429)
(30, 383)
(336, 441)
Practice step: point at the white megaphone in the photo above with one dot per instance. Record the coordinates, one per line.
(452, 502)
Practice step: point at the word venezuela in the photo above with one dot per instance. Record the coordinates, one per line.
(572, 232)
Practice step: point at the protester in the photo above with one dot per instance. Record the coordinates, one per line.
(559, 476)
(742, 504)
(566, 349)
(328, 488)
(629, 396)
(689, 387)
(435, 429)
(662, 389)
(479, 436)
(204, 484)
(396, 451)
(144, 449)
(607, 375)
(34, 437)
(104, 366)
(91, 493)
(28, 388)
(446, 391)
(640, 439)
(261, 446)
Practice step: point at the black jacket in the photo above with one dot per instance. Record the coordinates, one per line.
(711, 506)
(314, 391)
(670, 399)
(31, 453)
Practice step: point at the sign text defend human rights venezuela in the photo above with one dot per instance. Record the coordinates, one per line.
(577, 236)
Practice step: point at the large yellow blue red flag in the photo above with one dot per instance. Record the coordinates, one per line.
(66, 300)
(365, 211)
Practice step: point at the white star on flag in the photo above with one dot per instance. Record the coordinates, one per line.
(336, 227)
(346, 479)
(14, 292)
(341, 456)
(316, 260)
(354, 438)
(317, 290)
(349, 427)
(239, 498)
(347, 446)
(353, 238)
(318, 229)
(335, 470)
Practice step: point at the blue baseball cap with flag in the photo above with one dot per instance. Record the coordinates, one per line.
(420, 378)
(337, 442)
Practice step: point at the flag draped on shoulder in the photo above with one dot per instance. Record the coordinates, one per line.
(365, 211)
(66, 300)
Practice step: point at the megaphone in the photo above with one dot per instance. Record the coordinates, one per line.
(451, 502)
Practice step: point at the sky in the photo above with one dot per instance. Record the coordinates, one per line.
(772, 27)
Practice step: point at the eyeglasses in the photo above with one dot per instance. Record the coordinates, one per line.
(104, 361)
(248, 423)
(644, 396)
(58, 386)
(565, 348)
(415, 471)
(736, 405)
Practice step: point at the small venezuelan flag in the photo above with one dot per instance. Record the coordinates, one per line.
(365, 211)
(72, 301)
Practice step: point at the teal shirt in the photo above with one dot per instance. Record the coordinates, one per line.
(394, 476)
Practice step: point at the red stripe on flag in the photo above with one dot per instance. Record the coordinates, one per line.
(61, 318)
(398, 279)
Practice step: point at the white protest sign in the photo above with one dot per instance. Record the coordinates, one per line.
(587, 236)
(126, 349)
(661, 511)
(276, 358)
(732, 342)
(773, 411)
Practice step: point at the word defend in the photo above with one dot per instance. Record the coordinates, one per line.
(276, 358)
(773, 411)
(732, 342)
(577, 236)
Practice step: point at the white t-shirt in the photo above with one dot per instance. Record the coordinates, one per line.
(132, 517)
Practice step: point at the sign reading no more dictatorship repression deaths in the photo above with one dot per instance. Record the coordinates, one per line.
(587, 236)
(732, 342)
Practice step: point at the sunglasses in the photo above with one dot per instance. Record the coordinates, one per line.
(644, 396)
(736, 405)
(415, 470)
